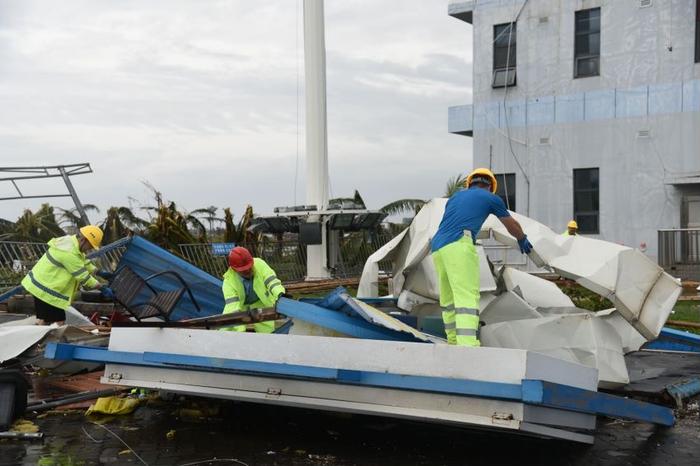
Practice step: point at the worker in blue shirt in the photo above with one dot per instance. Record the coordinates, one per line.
(455, 256)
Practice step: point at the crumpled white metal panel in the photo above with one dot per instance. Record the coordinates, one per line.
(641, 291)
(506, 307)
(537, 291)
(410, 254)
(16, 339)
(582, 338)
(631, 339)
(385, 320)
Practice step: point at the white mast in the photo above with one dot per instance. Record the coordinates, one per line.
(316, 133)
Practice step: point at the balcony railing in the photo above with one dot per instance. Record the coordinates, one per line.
(679, 252)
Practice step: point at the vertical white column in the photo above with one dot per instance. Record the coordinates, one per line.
(316, 133)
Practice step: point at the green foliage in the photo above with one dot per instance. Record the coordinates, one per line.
(454, 184)
(402, 206)
(240, 232)
(71, 217)
(208, 214)
(39, 226)
(584, 298)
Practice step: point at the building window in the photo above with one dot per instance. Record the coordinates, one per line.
(504, 51)
(697, 31)
(587, 43)
(506, 189)
(586, 200)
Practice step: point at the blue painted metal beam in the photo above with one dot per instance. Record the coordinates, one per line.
(682, 390)
(534, 392)
(675, 340)
(538, 392)
(338, 321)
(379, 300)
(10, 293)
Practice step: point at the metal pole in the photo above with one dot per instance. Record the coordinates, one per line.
(74, 195)
(316, 132)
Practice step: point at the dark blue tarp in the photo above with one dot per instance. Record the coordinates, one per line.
(145, 258)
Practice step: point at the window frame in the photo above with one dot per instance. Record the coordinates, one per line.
(502, 180)
(581, 34)
(578, 213)
(697, 31)
(511, 50)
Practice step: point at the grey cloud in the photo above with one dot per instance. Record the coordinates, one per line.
(200, 98)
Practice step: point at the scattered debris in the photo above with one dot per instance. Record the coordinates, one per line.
(122, 441)
(113, 405)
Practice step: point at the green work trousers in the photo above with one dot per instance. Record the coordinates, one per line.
(457, 266)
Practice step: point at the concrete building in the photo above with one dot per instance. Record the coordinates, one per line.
(588, 109)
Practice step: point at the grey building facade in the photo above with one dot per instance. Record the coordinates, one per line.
(588, 110)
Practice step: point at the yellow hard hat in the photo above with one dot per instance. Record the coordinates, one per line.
(93, 234)
(572, 224)
(483, 172)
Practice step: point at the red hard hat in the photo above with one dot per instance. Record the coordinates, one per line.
(239, 259)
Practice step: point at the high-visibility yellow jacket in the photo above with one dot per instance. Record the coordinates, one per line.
(265, 284)
(60, 272)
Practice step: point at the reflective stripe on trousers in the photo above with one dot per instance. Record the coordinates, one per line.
(457, 266)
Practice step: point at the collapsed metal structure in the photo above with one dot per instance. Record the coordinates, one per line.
(351, 355)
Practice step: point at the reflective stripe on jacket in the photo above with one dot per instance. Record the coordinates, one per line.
(60, 272)
(265, 284)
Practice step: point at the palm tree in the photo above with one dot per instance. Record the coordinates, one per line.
(239, 233)
(412, 206)
(169, 227)
(454, 184)
(38, 226)
(6, 229)
(208, 214)
(72, 218)
(403, 206)
(121, 222)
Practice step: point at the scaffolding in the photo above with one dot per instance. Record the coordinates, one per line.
(14, 175)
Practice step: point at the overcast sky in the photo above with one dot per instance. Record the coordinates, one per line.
(199, 98)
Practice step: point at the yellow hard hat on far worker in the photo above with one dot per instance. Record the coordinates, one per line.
(482, 174)
(572, 224)
(93, 234)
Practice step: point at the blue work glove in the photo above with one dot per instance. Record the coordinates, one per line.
(525, 245)
(107, 292)
(106, 274)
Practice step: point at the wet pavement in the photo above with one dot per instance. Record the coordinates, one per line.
(195, 432)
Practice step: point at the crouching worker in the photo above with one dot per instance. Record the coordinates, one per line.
(61, 271)
(250, 283)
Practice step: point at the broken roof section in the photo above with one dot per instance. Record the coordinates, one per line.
(640, 290)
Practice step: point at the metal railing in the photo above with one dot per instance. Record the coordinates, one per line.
(288, 257)
(17, 258)
(679, 252)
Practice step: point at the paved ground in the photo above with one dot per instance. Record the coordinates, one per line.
(253, 435)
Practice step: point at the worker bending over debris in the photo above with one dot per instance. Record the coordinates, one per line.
(250, 283)
(455, 257)
(571, 229)
(60, 272)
